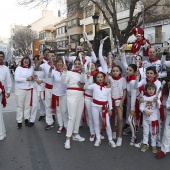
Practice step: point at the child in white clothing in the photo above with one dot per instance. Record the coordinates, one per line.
(150, 109)
(101, 98)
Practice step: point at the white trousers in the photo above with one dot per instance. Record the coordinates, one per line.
(75, 104)
(147, 127)
(61, 111)
(128, 107)
(37, 101)
(23, 98)
(97, 116)
(48, 99)
(89, 117)
(2, 126)
(165, 147)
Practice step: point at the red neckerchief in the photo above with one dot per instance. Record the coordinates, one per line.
(94, 72)
(140, 66)
(3, 102)
(46, 59)
(24, 66)
(154, 60)
(116, 78)
(75, 71)
(132, 77)
(147, 95)
(58, 70)
(1, 64)
(153, 81)
(113, 64)
(84, 61)
(101, 85)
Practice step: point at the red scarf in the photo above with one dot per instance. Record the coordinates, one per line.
(132, 77)
(46, 59)
(140, 66)
(146, 94)
(153, 60)
(58, 70)
(101, 85)
(3, 95)
(84, 61)
(94, 72)
(116, 78)
(153, 81)
(24, 66)
(75, 71)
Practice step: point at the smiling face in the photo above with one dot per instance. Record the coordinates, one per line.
(79, 48)
(100, 78)
(46, 53)
(93, 67)
(138, 37)
(26, 62)
(129, 71)
(150, 75)
(77, 65)
(36, 60)
(116, 72)
(138, 59)
(59, 64)
(152, 53)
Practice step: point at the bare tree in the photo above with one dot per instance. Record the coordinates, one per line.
(153, 10)
(23, 40)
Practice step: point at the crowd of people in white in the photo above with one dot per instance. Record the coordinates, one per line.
(97, 94)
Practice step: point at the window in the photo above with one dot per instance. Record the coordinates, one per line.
(158, 34)
(89, 11)
(72, 23)
(89, 29)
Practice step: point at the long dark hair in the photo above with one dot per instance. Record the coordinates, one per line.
(27, 58)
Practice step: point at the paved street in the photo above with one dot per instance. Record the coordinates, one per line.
(37, 149)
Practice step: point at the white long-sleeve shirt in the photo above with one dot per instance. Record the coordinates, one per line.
(5, 78)
(168, 103)
(132, 93)
(40, 76)
(160, 68)
(150, 106)
(21, 74)
(101, 95)
(58, 88)
(45, 67)
(142, 70)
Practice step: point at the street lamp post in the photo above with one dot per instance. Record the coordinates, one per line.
(95, 22)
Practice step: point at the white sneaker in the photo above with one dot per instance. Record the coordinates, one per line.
(112, 144)
(67, 144)
(119, 142)
(114, 135)
(133, 141)
(78, 138)
(60, 129)
(92, 138)
(138, 145)
(97, 142)
(101, 136)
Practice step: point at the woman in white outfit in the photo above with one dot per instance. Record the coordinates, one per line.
(75, 102)
(23, 90)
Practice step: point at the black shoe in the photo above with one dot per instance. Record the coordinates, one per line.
(127, 131)
(19, 126)
(54, 118)
(41, 118)
(48, 127)
(31, 124)
(26, 122)
(126, 126)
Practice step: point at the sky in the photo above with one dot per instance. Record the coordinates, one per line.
(12, 13)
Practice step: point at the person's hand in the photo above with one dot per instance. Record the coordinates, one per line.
(132, 113)
(147, 113)
(90, 46)
(52, 67)
(82, 69)
(155, 100)
(41, 58)
(141, 100)
(30, 78)
(64, 68)
(101, 42)
(39, 81)
(123, 48)
(144, 42)
(8, 95)
(110, 113)
(168, 108)
(69, 46)
(81, 85)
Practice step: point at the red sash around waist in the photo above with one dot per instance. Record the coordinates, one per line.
(48, 86)
(75, 88)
